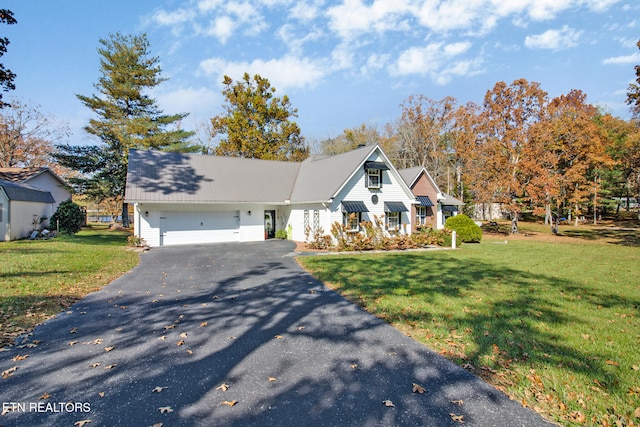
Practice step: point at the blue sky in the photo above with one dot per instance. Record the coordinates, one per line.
(342, 63)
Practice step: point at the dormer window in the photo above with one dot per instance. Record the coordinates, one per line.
(373, 178)
(373, 172)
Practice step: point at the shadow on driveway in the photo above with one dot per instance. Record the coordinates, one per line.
(156, 345)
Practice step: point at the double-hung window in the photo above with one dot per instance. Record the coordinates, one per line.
(421, 215)
(374, 178)
(393, 215)
(393, 220)
(351, 220)
(373, 173)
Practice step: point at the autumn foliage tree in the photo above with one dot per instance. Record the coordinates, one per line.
(27, 136)
(425, 134)
(256, 123)
(507, 116)
(572, 146)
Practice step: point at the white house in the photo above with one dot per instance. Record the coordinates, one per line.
(28, 198)
(191, 198)
(41, 178)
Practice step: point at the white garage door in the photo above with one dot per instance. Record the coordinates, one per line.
(180, 228)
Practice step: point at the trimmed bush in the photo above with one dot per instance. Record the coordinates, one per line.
(467, 230)
(70, 217)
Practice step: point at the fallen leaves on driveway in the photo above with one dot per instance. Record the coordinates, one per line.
(9, 372)
(457, 418)
(418, 388)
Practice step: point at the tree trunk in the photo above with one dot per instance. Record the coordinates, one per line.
(514, 222)
(125, 215)
(548, 218)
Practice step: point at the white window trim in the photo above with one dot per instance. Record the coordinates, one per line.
(398, 220)
(371, 173)
(346, 220)
(421, 219)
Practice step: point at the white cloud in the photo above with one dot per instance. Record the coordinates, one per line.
(375, 62)
(428, 59)
(563, 38)
(208, 5)
(352, 17)
(628, 59)
(186, 99)
(179, 16)
(295, 38)
(304, 11)
(285, 73)
(454, 14)
(438, 61)
(601, 5)
(221, 28)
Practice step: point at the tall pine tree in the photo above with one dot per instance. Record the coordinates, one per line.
(127, 117)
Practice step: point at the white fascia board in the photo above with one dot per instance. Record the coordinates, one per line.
(355, 170)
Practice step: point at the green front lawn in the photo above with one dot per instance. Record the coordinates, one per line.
(553, 323)
(40, 278)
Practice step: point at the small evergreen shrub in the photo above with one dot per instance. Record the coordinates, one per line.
(281, 234)
(466, 230)
(68, 217)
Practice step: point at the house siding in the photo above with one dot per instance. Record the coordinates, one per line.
(356, 189)
(149, 218)
(21, 215)
(422, 187)
(296, 220)
(47, 182)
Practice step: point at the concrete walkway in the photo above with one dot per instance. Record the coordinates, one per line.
(234, 334)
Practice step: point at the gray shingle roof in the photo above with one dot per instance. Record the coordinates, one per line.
(321, 177)
(156, 176)
(448, 199)
(26, 174)
(25, 193)
(175, 177)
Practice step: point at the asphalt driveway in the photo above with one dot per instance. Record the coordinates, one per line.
(191, 330)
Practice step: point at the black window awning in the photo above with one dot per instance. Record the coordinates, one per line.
(395, 207)
(425, 201)
(450, 208)
(354, 206)
(375, 166)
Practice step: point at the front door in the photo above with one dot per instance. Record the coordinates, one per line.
(269, 224)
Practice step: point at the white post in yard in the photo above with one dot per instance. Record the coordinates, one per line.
(453, 239)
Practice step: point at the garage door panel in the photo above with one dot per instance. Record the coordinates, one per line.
(179, 228)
